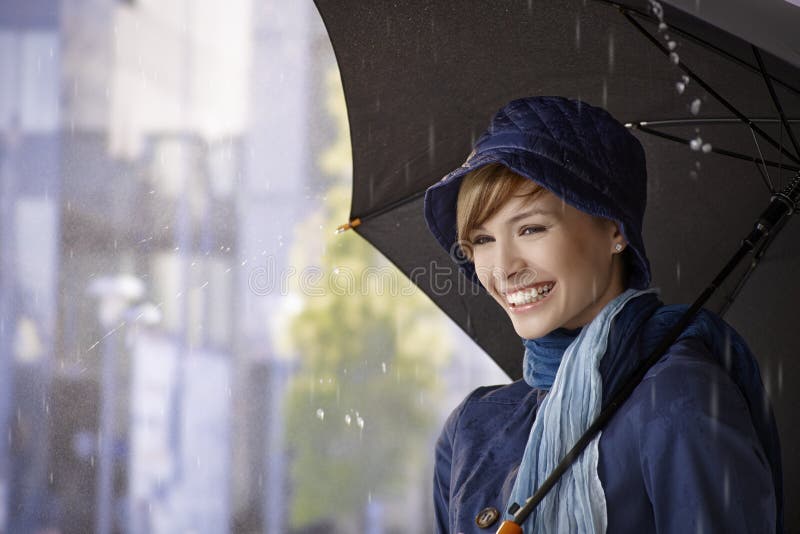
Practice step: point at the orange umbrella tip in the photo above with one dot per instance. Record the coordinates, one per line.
(509, 527)
(348, 225)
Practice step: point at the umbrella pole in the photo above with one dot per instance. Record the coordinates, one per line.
(782, 205)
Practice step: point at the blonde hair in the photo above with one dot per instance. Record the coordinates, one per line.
(482, 193)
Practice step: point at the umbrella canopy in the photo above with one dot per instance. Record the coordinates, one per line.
(422, 79)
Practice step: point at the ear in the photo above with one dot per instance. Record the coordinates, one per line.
(610, 226)
(617, 232)
(614, 234)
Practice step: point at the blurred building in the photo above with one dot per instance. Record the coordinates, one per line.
(166, 140)
(173, 143)
(30, 203)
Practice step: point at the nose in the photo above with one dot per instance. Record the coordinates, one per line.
(510, 266)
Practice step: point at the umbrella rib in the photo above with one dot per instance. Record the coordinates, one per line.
(765, 176)
(730, 107)
(765, 172)
(730, 153)
(717, 120)
(776, 100)
(708, 45)
(380, 211)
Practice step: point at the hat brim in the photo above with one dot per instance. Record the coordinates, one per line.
(441, 200)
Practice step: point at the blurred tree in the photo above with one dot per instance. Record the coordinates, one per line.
(369, 345)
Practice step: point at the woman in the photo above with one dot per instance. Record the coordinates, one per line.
(547, 212)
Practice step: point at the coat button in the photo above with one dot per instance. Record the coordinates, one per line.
(487, 517)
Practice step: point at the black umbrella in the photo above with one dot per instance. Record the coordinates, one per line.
(712, 106)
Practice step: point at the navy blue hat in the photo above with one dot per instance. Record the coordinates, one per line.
(577, 151)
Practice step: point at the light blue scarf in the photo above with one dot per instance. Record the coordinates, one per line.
(577, 503)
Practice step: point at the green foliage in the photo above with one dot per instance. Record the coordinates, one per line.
(361, 404)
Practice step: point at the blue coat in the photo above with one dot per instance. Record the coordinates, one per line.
(680, 456)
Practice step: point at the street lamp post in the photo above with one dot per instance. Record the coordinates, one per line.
(114, 295)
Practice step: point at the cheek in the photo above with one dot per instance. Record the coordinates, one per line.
(571, 261)
(482, 267)
(588, 267)
(483, 277)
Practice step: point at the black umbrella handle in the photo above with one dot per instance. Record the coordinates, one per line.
(782, 205)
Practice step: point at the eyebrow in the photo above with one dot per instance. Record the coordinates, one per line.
(523, 215)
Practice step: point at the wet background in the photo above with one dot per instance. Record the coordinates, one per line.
(185, 344)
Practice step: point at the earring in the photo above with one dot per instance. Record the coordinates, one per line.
(618, 247)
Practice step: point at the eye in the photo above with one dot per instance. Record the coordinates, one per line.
(481, 240)
(528, 230)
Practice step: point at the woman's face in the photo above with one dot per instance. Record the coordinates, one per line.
(545, 244)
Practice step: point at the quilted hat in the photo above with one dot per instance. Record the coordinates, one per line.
(578, 152)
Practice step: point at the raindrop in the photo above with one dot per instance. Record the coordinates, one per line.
(662, 27)
(577, 32)
(697, 165)
(693, 175)
(726, 488)
(605, 93)
(685, 79)
(696, 143)
(707, 148)
(680, 87)
(780, 377)
(348, 419)
(431, 142)
(678, 271)
(658, 11)
(674, 57)
(671, 45)
(383, 367)
(610, 52)
(360, 422)
(320, 414)
(714, 405)
(695, 106)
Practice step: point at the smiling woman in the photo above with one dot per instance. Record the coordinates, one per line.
(528, 244)
(548, 210)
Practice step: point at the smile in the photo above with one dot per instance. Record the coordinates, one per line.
(528, 298)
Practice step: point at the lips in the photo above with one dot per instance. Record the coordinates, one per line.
(525, 303)
(537, 286)
(529, 297)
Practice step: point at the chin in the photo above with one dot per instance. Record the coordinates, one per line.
(531, 331)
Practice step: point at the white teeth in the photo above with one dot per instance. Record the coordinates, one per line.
(529, 295)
